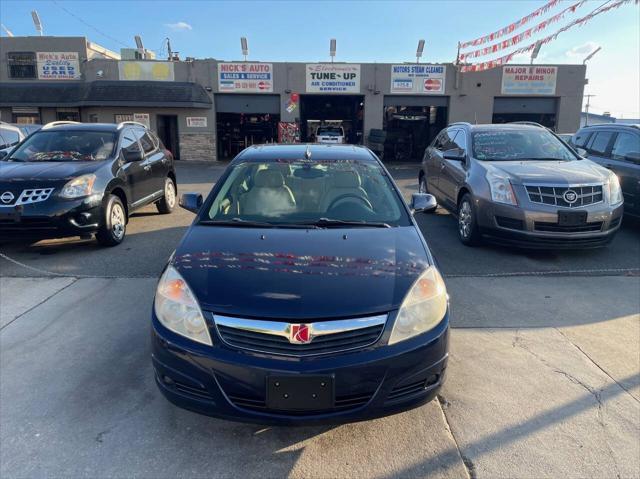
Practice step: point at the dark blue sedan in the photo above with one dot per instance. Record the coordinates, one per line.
(303, 292)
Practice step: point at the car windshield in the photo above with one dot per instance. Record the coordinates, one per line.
(519, 145)
(66, 145)
(330, 131)
(307, 193)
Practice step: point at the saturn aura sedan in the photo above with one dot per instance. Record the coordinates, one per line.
(303, 292)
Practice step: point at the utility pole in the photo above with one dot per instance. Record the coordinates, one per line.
(586, 120)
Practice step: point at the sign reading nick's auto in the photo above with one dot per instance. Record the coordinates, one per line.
(333, 78)
(245, 77)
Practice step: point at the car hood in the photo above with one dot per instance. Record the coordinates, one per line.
(45, 170)
(299, 274)
(558, 172)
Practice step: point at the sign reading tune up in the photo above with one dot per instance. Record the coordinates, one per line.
(333, 78)
(418, 79)
(245, 77)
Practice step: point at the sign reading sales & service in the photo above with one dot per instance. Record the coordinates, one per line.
(418, 79)
(529, 80)
(245, 77)
(58, 65)
(333, 78)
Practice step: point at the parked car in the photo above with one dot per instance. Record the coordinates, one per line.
(10, 136)
(616, 147)
(73, 179)
(519, 184)
(302, 292)
(330, 134)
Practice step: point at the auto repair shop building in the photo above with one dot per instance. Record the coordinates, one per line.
(211, 110)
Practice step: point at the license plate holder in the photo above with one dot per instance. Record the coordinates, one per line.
(572, 218)
(300, 392)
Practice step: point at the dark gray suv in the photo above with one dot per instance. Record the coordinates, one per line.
(520, 184)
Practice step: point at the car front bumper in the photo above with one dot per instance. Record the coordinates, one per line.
(229, 383)
(52, 218)
(538, 226)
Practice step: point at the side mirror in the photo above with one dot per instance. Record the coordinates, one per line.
(132, 155)
(3, 154)
(456, 154)
(633, 157)
(191, 202)
(423, 203)
(581, 151)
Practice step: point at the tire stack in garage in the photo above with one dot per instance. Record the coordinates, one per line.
(376, 140)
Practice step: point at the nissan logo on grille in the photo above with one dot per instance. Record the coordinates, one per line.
(570, 196)
(7, 197)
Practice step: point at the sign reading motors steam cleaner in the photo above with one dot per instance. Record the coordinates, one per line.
(418, 79)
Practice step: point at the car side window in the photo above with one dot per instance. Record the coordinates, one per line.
(129, 141)
(154, 138)
(625, 144)
(447, 140)
(580, 139)
(10, 137)
(460, 140)
(437, 143)
(600, 143)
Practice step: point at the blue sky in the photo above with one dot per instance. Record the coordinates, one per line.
(382, 31)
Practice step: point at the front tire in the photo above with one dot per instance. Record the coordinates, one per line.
(467, 223)
(114, 224)
(168, 201)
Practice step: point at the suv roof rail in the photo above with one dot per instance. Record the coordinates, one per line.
(459, 123)
(614, 124)
(62, 122)
(530, 123)
(122, 124)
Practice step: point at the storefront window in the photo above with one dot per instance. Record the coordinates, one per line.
(22, 65)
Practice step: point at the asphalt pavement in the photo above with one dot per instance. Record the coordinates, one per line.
(543, 378)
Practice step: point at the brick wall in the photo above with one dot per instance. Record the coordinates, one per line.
(198, 146)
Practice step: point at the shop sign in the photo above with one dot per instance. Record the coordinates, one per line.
(245, 77)
(529, 80)
(333, 78)
(58, 65)
(418, 79)
(197, 121)
(142, 118)
(145, 70)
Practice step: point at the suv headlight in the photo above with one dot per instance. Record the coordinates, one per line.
(615, 193)
(177, 309)
(501, 189)
(79, 187)
(423, 307)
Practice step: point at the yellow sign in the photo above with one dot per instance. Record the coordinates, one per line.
(145, 70)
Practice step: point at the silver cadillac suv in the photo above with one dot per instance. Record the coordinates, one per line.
(519, 184)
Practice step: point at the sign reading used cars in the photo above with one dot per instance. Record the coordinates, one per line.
(245, 77)
(58, 65)
(418, 79)
(333, 78)
(529, 80)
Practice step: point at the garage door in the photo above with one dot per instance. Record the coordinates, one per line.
(524, 105)
(248, 104)
(415, 100)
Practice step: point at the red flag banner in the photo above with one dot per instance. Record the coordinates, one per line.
(507, 58)
(510, 28)
(517, 39)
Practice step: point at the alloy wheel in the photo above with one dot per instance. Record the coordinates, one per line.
(465, 219)
(170, 193)
(117, 221)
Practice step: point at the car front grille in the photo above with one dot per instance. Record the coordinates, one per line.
(561, 195)
(326, 336)
(556, 228)
(24, 197)
(341, 403)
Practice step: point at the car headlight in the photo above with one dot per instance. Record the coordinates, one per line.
(615, 193)
(501, 189)
(79, 187)
(177, 309)
(423, 307)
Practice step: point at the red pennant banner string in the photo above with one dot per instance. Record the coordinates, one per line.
(507, 58)
(510, 28)
(516, 39)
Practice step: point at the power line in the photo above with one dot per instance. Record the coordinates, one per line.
(89, 25)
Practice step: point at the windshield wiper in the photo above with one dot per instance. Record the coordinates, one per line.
(545, 159)
(329, 222)
(242, 223)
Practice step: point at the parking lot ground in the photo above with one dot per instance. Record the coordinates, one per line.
(543, 378)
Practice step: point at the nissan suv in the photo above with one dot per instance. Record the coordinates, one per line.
(520, 184)
(74, 179)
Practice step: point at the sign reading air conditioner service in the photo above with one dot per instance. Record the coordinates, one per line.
(529, 80)
(333, 78)
(418, 79)
(145, 70)
(245, 77)
(58, 65)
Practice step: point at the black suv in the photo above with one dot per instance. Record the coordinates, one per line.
(617, 147)
(75, 179)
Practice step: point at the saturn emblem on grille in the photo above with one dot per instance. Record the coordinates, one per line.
(570, 196)
(300, 334)
(7, 197)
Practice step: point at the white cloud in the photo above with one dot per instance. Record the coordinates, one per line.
(179, 26)
(582, 50)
